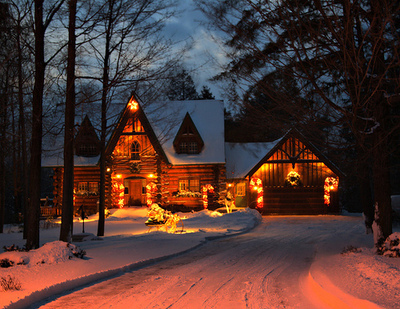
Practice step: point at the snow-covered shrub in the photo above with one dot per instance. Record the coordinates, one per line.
(351, 249)
(9, 284)
(13, 247)
(391, 246)
(4, 263)
(77, 251)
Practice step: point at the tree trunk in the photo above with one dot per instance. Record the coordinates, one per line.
(381, 114)
(105, 86)
(68, 185)
(3, 129)
(22, 129)
(381, 176)
(33, 212)
(366, 194)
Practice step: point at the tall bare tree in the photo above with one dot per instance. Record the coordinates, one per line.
(129, 49)
(68, 185)
(33, 213)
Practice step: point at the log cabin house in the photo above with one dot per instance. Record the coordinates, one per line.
(174, 154)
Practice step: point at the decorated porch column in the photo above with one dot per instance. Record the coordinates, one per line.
(205, 190)
(256, 185)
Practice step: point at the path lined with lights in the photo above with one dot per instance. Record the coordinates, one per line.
(266, 268)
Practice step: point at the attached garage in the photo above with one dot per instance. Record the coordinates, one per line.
(291, 177)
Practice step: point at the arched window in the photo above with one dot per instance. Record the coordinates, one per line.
(135, 151)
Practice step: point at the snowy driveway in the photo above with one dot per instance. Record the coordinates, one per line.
(266, 268)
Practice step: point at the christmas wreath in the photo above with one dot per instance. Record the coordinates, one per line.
(293, 180)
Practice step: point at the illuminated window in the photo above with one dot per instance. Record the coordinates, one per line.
(184, 185)
(82, 186)
(241, 189)
(189, 185)
(128, 127)
(135, 151)
(93, 187)
(138, 126)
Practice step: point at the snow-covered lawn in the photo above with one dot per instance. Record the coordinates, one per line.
(127, 245)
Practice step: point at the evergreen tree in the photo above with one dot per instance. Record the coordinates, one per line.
(343, 58)
(206, 94)
(181, 87)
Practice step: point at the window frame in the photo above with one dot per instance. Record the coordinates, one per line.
(190, 184)
(241, 189)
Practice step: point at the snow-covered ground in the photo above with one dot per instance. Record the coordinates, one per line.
(354, 279)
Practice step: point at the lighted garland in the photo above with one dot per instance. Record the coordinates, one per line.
(293, 180)
(331, 183)
(117, 192)
(206, 189)
(151, 189)
(256, 184)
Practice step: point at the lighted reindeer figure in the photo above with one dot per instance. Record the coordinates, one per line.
(159, 217)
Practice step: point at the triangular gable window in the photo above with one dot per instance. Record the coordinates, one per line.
(188, 139)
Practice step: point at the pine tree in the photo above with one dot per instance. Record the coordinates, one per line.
(182, 87)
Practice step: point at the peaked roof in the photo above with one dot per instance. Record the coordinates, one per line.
(208, 117)
(242, 157)
(134, 106)
(187, 123)
(296, 134)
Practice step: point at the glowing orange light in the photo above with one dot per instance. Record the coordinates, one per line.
(256, 185)
(151, 189)
(117, 191)
(152, 176)
(133, 104)
(206, 189)
(331, 183)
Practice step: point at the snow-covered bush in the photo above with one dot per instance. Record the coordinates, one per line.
(351, 249)
(4, 263)
(9, 284)
(77, 251)
(391, 246)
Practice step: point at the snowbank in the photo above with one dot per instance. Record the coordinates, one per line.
(53, 267)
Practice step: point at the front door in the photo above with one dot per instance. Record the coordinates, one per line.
(134, 192)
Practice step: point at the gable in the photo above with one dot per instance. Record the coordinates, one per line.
(86, 141)
(295, 149)
(133, 134)
(188, 139)
(166, 118)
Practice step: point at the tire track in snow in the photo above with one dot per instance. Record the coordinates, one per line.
(261, 269)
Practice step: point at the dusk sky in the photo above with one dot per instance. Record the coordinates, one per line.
(204, 56)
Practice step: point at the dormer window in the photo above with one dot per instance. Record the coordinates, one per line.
(87, 150)
(188, 139)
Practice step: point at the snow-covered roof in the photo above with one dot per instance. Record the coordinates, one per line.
(208, 117)
(165, 118)
(57, 160)
(242, 157)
